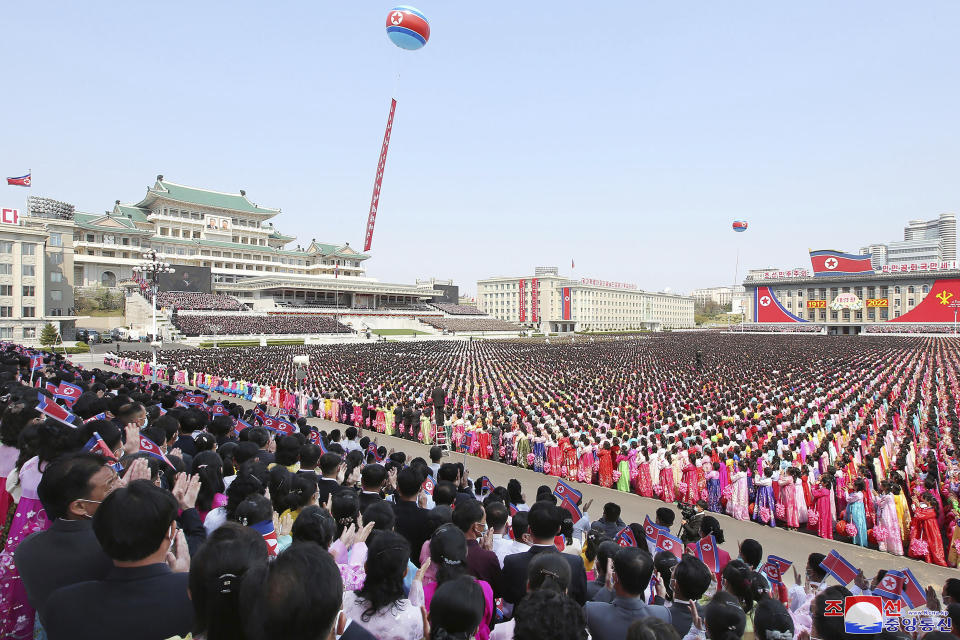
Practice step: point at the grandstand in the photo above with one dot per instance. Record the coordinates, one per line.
(193, 325)
(470, 325)
(196, 301)
(458, 309)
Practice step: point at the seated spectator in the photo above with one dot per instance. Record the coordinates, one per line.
(135, 527)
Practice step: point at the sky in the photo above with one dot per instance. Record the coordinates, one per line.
(624, 136)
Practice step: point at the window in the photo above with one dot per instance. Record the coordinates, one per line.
(29, 312)
(56, 276)
(6, 247)
(910, 289)
(29, 332)
(29, 249)
(6, 269)
(28, 270)
(6, 332)
(6, 289)
(90, 237)
(6, 312)
(29, 291)
(57, 258)
(896, 290)
(56, 240)
(56, 295)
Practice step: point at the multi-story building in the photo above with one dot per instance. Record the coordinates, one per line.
(923, 241)
(36, 268)
(235, 238)
(551, 302)
(718, 295)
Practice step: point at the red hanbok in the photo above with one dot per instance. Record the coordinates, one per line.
(606, 468)
(924, 527)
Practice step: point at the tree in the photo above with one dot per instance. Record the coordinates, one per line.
(48, 335)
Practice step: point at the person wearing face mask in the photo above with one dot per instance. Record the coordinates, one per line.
(72, 488)
(482, 562)
(135, 525)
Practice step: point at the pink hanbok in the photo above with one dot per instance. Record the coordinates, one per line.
(738, 506)
(585, 473)
(889, 520)
(788, 498)
(667, 494)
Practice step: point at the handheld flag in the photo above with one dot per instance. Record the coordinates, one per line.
(706, 551)
(891, 587)
(259, 415)
(839, 568)
(193, 398)
(774, 568)
(572, 509)
(51, 409)
(625, 538)
(36, 362)
(97, 445)
(374, 451)
(240, 425)
(565, 491)
(150, 447)
(276, 424)
(319, 443)
(650, 530)
(671, 543)
(428, 486)
(99, 416)
(485, 484)
(912, 593)
(20, 181)
(218, 409)
(68, 392)
(513, 509)
(265, 529)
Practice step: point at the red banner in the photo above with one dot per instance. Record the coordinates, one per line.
(533, 300)
(938, 306)
(381, 165)
(766, 307)
(567, 304)
(523, 301)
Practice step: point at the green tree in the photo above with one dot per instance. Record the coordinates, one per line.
(48, 335)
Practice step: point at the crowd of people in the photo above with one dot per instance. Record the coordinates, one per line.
(134, 509)
(193, 300)
(195, 325)
(470, 324)
(458, 309)
(906, 327)
(855, 441)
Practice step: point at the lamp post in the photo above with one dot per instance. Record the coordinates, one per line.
(214, 328)
(151, 270)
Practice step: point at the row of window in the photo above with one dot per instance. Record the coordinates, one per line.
(28, 312)
(860, 292)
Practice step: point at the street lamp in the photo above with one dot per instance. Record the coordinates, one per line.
(151, 270)
(214, 328)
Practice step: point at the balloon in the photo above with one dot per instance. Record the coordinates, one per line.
(739, 226)
(407, 27)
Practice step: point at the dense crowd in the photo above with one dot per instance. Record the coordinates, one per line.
(470, 324)
(196, 301)
(139, 510)
(851, 440)
(458, 309)
(905, 327)
(195, 325)
(778, 327)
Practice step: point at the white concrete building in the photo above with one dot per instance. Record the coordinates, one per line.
(36, 268)
(548, 301)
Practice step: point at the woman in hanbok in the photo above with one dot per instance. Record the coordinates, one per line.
(788, 498)
(667, 491)
(926, 541)
(888, 519)
(691, 492)
(644, 483)
(605, 472)
(585, 462)
(713, 487)
(903, 510)
(571, 461)
(856, 512)
(521, 443)
(553, 456)
(426, 426)
(539, 452)
(823, 507)
(623, 467)
(765, 507)
(738, 505)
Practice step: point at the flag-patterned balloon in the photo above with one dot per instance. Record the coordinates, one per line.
(407, 27)
(740, 226)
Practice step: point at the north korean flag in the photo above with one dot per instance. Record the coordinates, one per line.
(566, 492)
(99, 416)
(51, 409)
(484, 485)
(259, 415)
(276, 424)
(891, 587)
(912, 593)
(513, 511)
(218, 409)
(625, 538)
(667, 542)
(265, 529)
(572, 509)
(19, 181)
(428, 486)
(149, 446)
(97, 445)
(374, 451)
(839, 568)
(567, 304)
(706, 551)
(68, 392)
(50, 387)
(651, 530)
(193, 398)
(772, 572)
(827, 262)
(240, 425)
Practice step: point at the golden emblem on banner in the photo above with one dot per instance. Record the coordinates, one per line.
(944, 297)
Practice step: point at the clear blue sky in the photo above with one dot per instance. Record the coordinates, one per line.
(626, 135)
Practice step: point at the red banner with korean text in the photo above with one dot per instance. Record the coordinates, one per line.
(523, 300)
(533, 300)
(566, 304)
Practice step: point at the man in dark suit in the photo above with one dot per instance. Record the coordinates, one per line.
(543, 525)
(691, 579)
(330, 464)
(408, 422)
(439, 397)
(372, 479)
(398, 415)
(621, 602)
(72, 488)
(412, 522)
(135, 527)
